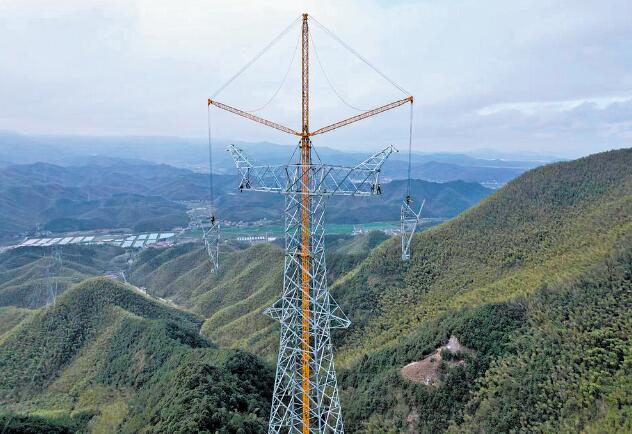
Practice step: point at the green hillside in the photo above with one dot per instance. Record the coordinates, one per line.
(547, 226)
(558, 360)
(233, 300)
(535, 283)
(534, 279)
(11, 317)
(539, 271)
(106, 358)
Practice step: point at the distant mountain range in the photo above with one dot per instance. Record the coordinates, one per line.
(111, 193)
(487, 167)
(81, 198)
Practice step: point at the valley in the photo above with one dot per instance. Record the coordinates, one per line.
(122, 198)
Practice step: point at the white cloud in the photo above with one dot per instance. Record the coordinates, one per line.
(484, 74)
(535, 107)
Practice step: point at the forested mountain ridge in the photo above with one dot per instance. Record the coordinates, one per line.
(106, 358)
(27, 273)
(549, 224)
(231, 301)
(504, 278)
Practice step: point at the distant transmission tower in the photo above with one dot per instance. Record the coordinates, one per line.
(52, 271)
(306, 398)
(409, 222)
(210, 234)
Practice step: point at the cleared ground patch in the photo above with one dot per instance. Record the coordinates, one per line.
(426, 371)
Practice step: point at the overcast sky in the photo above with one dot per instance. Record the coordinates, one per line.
(545, 76)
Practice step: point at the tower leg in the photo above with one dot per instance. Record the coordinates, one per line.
(325, 414)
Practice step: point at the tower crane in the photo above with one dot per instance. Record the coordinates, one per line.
(306, 398)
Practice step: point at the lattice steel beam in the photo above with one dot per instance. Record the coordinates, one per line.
(327, 180)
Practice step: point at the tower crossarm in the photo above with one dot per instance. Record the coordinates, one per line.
(360, 180)
(375, 161)
(325, 179)
(253, 117)
(361, 116)
(258, 178)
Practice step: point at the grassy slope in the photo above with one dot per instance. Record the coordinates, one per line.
(103, 358)
(231, 300)
(10, 318)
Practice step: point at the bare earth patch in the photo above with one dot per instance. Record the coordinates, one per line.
(426, 371)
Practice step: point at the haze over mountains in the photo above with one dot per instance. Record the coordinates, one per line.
(74, 183)
(535, 283)
(488, 167)
(112, 193)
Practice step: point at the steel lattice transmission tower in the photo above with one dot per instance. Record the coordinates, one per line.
(52, 274)
(306, 396)
(210, 235)
(409, 220)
